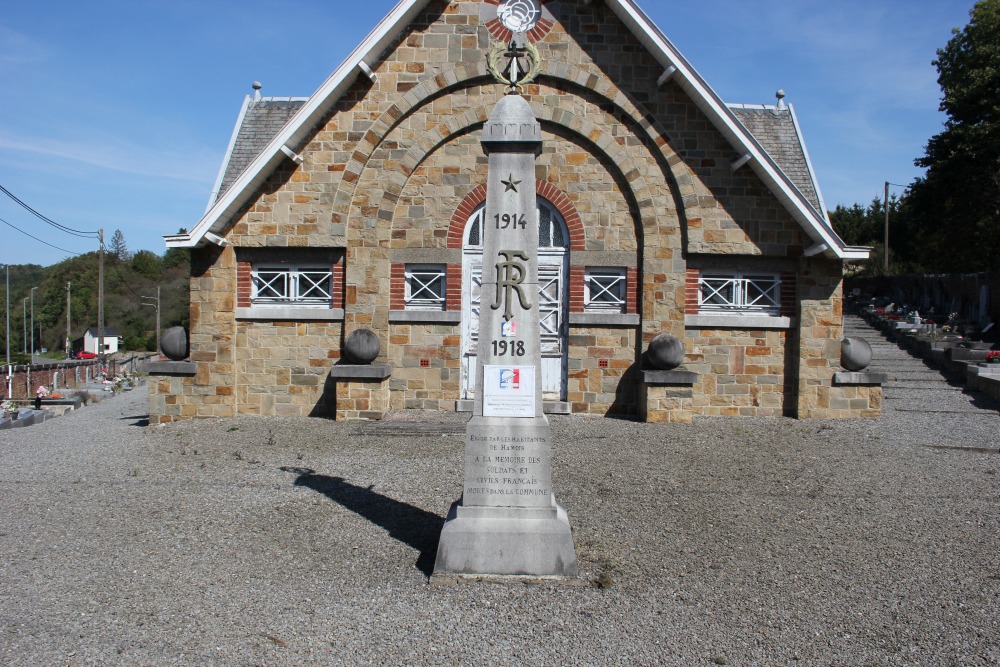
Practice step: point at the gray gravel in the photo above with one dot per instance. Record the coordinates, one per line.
(253, 541)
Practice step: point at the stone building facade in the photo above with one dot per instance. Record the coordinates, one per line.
(662, 210)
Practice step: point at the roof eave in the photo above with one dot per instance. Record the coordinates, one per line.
(726, 123)
(299, 126)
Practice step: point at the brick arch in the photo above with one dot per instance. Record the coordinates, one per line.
(587, 132)
(552, 194)
(467, 75)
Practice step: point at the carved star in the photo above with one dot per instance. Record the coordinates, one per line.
(510, 184)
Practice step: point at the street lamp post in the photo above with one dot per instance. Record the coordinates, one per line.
(32, 295)
(155, 304)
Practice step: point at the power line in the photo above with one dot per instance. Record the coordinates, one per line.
(68, 230)
(39, 240)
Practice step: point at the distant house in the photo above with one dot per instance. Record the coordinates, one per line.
(112, 340)
(661, 208)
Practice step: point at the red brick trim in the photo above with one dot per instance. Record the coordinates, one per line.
(577, 277)
(499, 32)
(632, 289)
(397, 286)
(563, 204)
(692, 277)
(244, 284)
(339, 271)
(456, 229)
(544, 189)
(788, 294)
(453, 287)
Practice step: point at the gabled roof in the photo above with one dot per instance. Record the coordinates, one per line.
(260, 119)
(109, 332)
(777, 130)
(805, 208)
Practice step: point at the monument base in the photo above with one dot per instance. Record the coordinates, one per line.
(528, 542)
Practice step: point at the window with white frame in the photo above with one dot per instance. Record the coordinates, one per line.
(604, 289)
(299, 286)
(738, 292)
(425, 287)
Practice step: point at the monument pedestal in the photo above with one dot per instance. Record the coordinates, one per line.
(507, 521)
(531, 542)
(361, 391)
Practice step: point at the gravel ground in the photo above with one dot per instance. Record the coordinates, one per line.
(274, 541)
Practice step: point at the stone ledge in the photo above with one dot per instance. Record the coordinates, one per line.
(368, 372)
(738, 321)
(296, 313)
(669, 377)
(425, 316)
(171, 367)
(604, 319)
(848, 378)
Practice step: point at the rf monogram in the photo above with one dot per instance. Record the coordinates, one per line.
(510, 275)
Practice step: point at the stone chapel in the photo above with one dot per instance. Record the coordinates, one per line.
(662, 210)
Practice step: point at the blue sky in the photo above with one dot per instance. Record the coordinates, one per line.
(116, 113)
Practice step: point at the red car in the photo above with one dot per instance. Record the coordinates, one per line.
(86, 355)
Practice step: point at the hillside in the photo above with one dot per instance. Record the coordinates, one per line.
(127, 277)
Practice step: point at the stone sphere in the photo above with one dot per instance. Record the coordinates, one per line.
(855, 354)
(174, 343)
(666, 351)
(361, 347)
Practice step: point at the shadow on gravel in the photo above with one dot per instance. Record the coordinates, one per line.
(140, 420)
(404, 522)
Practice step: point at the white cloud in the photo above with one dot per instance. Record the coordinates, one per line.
(193, 164)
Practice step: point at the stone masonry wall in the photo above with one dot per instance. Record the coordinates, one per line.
(821, 328)
(740, 373)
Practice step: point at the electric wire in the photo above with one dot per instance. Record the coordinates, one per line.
(75, 254)
(68, 230)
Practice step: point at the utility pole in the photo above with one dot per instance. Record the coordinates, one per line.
(24, 323)
(100, 299)
(9, 373)
(69, 354)
(157, 306)
(885, 251)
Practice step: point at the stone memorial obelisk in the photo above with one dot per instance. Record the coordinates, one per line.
(507, 521)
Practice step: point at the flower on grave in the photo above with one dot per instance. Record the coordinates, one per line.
(42, 391)
(993, 356)
(8, 406)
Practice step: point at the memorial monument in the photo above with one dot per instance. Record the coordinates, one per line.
(507, 521)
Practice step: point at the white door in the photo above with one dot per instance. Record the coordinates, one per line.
(552, 300)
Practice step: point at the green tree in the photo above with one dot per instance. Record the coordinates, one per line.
(865, 226)
(955, 208)
(119, 250)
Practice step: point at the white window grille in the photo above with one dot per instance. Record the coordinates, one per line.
(738, 292)
(425, 287)
(302, 286)
(604, 290)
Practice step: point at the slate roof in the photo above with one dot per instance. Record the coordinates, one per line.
(777, 132)
(109, 332)
(260, 120)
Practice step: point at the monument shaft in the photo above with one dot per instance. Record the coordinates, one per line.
(507, 521)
